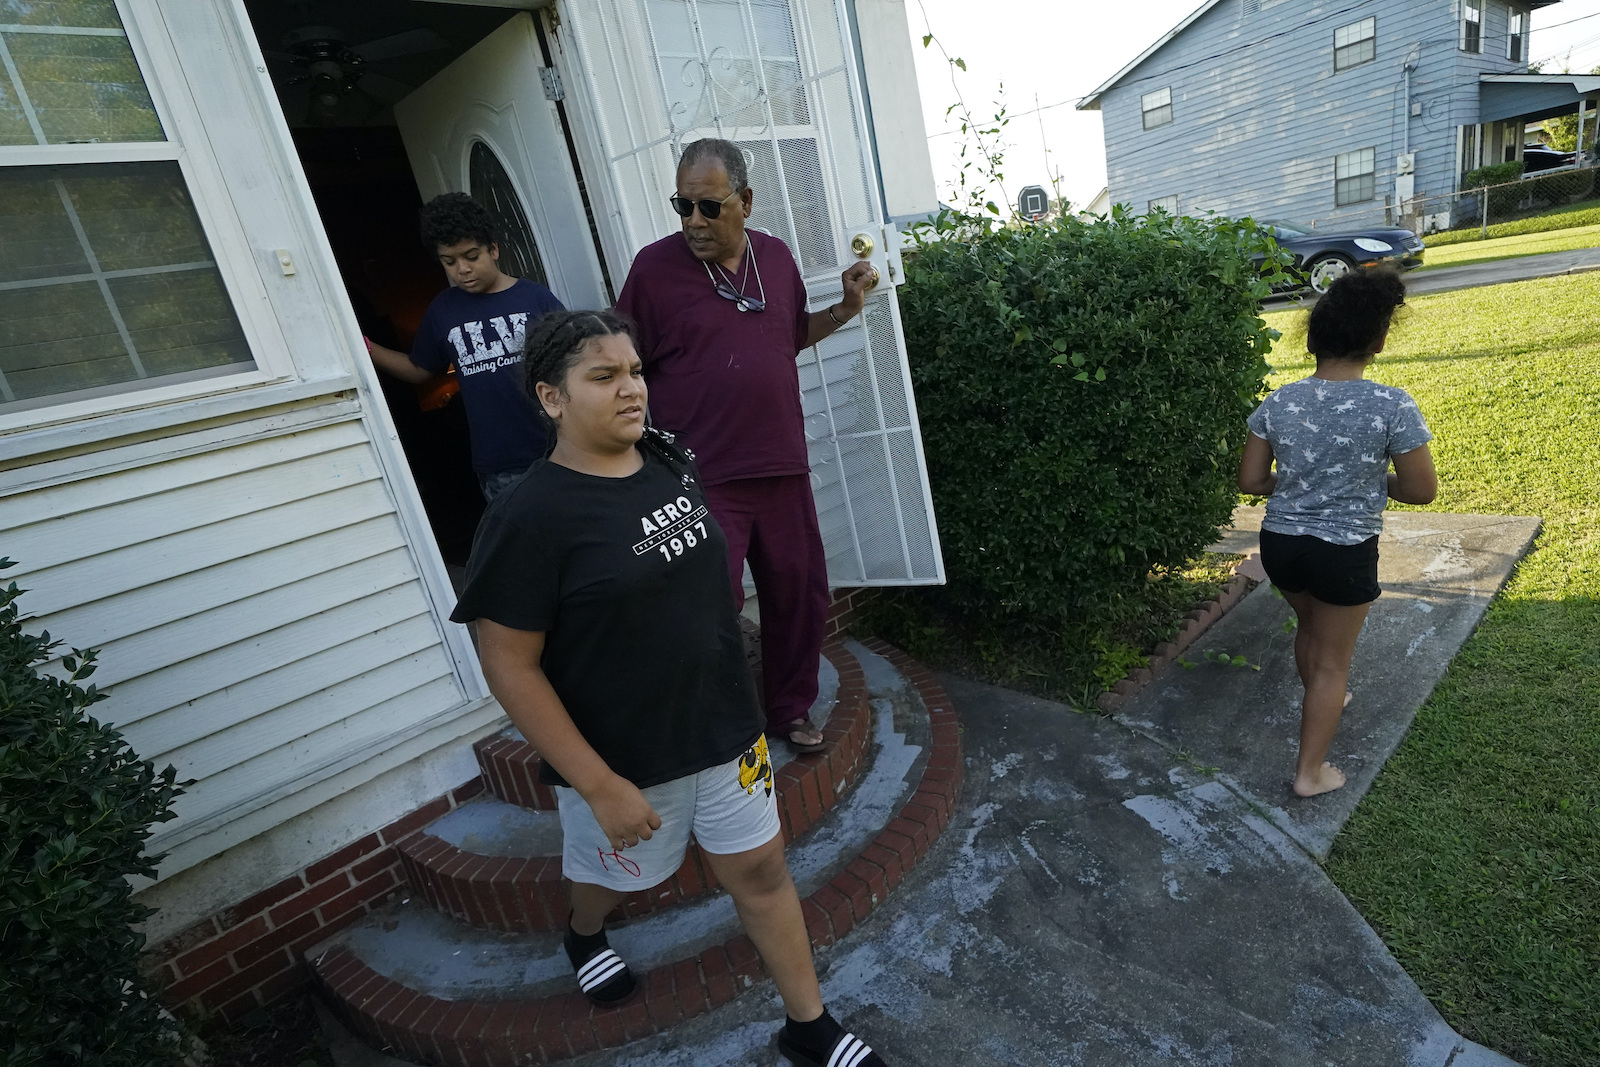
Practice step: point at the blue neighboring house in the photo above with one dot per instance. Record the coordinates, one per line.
(1332, 114)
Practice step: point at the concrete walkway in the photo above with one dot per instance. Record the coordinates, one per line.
(1104, 898)
(1444, 279)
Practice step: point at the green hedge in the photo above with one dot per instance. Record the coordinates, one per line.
(76, 805)
(1502, 200)
(1082, 389)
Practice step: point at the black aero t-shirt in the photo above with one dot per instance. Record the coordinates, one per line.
(628, 580)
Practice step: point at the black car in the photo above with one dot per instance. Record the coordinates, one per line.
(1322, 258)
(1536, 157)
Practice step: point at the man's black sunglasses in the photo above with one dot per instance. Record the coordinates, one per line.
(709, 209)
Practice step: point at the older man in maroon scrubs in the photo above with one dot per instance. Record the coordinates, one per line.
(722, 316)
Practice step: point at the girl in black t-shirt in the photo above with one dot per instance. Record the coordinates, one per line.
(607, 632)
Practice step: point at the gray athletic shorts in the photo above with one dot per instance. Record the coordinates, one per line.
(731, 808)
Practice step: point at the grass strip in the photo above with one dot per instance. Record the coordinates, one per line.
(1530, 244)
(1583, 213)
(1476, 856)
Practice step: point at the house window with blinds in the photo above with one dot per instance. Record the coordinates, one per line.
(1355, 176)
(1157, 108)
(1355, 44)
(1472, 26)
(107, 280)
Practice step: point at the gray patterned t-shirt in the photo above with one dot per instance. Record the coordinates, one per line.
(1333, 442)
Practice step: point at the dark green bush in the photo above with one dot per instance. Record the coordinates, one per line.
(76, 805)
(1493, 174)
(1082, 389)
(1504, 199)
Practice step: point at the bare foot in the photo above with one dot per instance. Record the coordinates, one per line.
(1326, 780)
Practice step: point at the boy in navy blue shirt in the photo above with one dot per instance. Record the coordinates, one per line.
(479, 325)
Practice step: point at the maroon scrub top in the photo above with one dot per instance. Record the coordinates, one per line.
(723, 379)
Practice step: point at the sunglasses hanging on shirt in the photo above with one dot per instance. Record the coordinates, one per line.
(722, 282)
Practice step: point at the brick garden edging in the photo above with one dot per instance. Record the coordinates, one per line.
(1166, 653)
(498, 1034)
(517, 893)
(249, 955)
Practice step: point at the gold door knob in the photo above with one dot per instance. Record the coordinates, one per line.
(872, 281)
(861, 245)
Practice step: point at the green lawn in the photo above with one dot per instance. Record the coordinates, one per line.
(1583, 213)
(1477, 854)
(1528, 244)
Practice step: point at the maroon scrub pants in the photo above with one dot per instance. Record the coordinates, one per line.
(772, 522)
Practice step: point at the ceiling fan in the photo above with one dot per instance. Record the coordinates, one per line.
(340, 90)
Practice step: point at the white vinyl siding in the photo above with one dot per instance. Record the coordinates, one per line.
(1355, 44)
(260, 618)
(1355, 176)
(1472, 26)
(1157, 108)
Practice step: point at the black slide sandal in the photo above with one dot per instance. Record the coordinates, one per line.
(602, 975)
(848, 1051)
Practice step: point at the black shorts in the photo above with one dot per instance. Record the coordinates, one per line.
(1345, 575)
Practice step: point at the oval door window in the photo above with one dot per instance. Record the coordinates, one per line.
(491, 187)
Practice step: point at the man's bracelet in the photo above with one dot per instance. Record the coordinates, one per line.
(837, 321)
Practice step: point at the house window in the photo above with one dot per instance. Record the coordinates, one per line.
(1169, 204)
(1157, 108)
(1355, 44)
(1516, 33)
(1469, 148)
(732, 68)
(107, 281)
(1472, 26)
(1355, 177)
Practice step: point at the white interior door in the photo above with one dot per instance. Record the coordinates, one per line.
(484, 126)
(777, 77)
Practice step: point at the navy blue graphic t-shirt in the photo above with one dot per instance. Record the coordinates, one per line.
(482, 334)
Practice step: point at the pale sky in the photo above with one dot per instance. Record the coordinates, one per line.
(1059, 52)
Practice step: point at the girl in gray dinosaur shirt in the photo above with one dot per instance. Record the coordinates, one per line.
(1334, 436)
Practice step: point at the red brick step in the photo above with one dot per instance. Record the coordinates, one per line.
(459, 1018)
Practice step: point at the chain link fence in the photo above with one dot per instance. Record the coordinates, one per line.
(1473, 209)
(1483, 207)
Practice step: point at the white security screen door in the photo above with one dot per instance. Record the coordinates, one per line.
(778, 78)
(484, 126)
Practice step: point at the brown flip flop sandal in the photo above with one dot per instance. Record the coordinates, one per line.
(800, 746)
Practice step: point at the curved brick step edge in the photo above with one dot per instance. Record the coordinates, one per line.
(518, 893)
(429, 1030)
(1166, 653)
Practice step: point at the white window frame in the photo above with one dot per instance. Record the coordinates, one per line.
(1162, 100)
(1367, 29)
(1472, 16)
(1345, 159)
(1168, 203)
(1516, 34)
(814, 131)
(185, 145)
